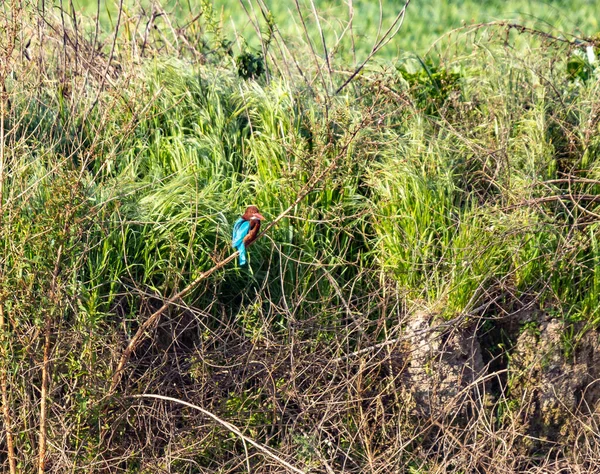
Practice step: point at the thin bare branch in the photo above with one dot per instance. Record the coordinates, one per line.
(262, 448)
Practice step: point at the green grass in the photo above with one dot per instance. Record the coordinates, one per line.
(449, 188)
(426, 21)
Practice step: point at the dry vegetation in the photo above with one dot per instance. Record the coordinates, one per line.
(425, 299)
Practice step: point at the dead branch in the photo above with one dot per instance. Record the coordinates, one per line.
(261, 447)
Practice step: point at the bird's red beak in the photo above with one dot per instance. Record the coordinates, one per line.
(258, 215)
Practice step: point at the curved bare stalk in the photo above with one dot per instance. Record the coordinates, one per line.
(46, 363)
(234, 429)
(309, 42)
(381, 42)
(10, 445)
(44, 397)
(3, 355)
(325, 52)
(110, 58)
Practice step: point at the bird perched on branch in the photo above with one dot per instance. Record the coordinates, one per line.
(245, 231)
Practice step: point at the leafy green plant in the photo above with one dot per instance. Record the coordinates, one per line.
(250, 65)
(431, 85)
(583, 63)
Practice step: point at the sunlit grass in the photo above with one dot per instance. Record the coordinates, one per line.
(465, 178)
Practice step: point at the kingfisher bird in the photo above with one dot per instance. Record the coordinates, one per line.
(245, 231)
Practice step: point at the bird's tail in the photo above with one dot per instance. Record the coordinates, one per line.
(242, 257)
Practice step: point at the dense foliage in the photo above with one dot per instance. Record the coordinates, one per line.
(464, 184)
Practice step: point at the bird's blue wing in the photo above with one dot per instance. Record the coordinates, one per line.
(240, 230)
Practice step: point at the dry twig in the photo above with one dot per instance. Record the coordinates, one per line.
(234, 429)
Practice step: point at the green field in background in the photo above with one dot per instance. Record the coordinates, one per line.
(426, 20)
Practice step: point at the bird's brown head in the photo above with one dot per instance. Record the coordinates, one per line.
(252, 214)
